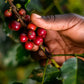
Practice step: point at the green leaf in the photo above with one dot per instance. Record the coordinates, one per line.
(52, 73)
(33, 5)
(51, 76)
(37, 74)
(27, 3)
(73, 71)
(22, 54)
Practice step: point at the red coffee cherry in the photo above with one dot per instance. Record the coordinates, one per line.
(23, 38)
(31, 26)
(7, 13)
(28, 45)
(22, 12)
(38, 40)
(41, 32)
(15, 25)
(27, 18)
(31, 34)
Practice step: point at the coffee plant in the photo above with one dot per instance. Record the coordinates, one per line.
(18, 67)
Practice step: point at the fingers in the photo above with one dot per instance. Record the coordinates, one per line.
(38, 55)
(35, 48)
(56, 22)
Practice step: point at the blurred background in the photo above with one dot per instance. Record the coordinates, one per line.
(16, 63)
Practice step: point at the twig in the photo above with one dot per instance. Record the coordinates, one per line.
(44, 71)
(49, 56)
(16, 13)
(55, 63)
(81, 55)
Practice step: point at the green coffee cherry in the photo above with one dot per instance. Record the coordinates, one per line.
(18, 6)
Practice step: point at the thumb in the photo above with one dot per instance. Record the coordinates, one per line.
(55, 22)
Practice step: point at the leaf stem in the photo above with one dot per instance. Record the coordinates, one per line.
(44, 71)
(54, 62)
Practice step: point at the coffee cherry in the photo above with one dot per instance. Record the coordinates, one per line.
(31, 34)
(7, 13)
(27, 18)
(18, 6)
(41, 32)
(28, 45)
(23, 37)
(38, 40)
(15, 25)
(31, 26)
(22, 12)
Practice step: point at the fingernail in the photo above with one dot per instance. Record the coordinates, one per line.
(38, 16)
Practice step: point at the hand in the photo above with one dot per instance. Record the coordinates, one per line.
(65, 34)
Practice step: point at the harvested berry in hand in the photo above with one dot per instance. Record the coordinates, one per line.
(7, 13)
(28, 45)
(31, 26)
(23, 38)
(15, 25)
(31, 34)
(41, 32)
(27, 18)
(38, 40)
(22, 12)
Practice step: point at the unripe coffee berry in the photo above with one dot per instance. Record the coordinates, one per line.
(18, 6)
(38, 40)
(22, 12)
(31, 34)
(41, 32)
(7, 13)
(28, 45)
(23, 38)
(31, 26)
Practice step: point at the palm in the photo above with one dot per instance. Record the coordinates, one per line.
(65, 42)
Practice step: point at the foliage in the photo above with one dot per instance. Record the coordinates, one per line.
(16, 63)
(72, 71)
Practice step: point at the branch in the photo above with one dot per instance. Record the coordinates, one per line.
(16, 13)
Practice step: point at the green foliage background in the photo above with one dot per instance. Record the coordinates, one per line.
(16, 63)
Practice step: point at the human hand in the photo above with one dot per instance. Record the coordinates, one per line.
(65, 35)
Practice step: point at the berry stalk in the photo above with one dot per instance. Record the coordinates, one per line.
(13, 7)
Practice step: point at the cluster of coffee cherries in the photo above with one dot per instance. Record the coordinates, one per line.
(33, 37)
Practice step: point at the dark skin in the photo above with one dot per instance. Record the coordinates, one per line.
(65, 35)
